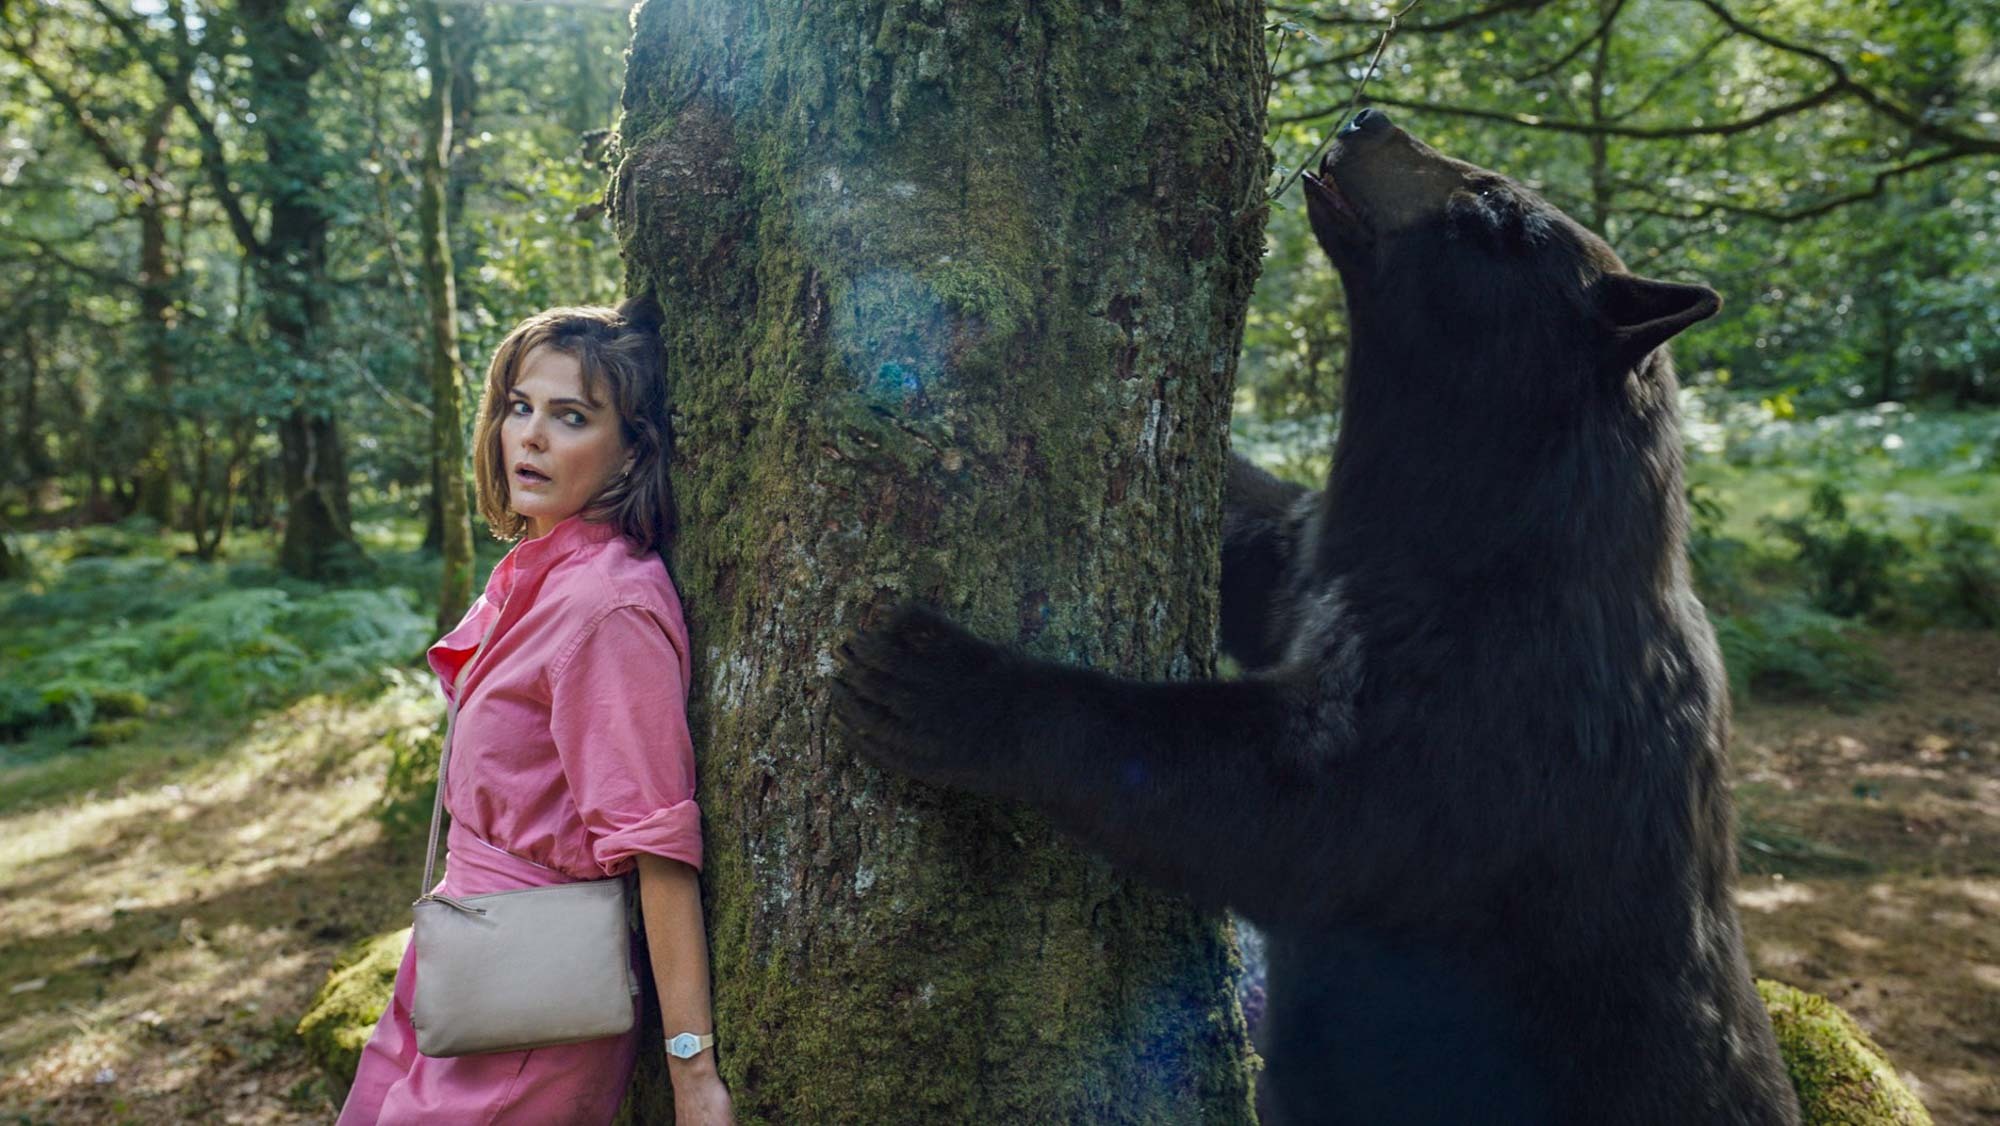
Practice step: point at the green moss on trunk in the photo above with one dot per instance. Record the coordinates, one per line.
(954, 293)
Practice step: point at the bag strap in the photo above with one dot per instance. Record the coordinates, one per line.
(444, 758)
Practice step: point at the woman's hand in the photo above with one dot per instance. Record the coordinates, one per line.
(700, 1098)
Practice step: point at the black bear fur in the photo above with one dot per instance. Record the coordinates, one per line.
(1474, 784)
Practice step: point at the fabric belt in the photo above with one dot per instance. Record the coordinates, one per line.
(475, 866)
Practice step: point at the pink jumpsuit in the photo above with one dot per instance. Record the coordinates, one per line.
(570, 758)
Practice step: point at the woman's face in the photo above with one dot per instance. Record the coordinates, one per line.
(559, 449)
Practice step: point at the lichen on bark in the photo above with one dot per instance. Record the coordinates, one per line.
(954, 293)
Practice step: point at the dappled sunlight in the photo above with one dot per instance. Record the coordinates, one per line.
(163, 941)
(300, 783)
(1916, 961)
(1774, 958)
(1855, 940)
(1890, 903)
(210, 1004)
(1777, 893)
(1885, 821)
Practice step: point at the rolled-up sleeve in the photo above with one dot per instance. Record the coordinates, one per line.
(618, 713)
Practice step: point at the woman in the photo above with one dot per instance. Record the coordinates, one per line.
(570, 759)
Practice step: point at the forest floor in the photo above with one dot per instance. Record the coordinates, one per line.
(169, 906)
(1877, 833)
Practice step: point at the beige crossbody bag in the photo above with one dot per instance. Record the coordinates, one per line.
(518, 969)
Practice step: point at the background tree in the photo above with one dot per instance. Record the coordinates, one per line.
(1742, 147)
(286, 48)
(441, 297)
(953, 301)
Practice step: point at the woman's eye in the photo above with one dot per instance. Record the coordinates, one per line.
(518, 406)
(573, 418)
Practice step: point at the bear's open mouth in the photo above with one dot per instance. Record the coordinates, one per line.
(1325, 191)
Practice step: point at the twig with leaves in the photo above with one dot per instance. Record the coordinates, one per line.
(1381, 45)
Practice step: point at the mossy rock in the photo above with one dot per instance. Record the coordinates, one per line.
(105, 732)
(1843, 1077)
(343, 1015)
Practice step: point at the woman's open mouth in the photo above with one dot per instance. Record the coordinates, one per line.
(530, 476)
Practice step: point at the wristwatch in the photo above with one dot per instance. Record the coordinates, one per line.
(687, 1045)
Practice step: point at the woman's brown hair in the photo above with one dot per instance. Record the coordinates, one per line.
(619, 352)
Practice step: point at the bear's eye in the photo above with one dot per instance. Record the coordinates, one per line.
(1492, 213)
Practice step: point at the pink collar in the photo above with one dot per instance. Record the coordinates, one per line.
(530, 558)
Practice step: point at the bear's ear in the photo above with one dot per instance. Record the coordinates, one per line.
(1643, 314)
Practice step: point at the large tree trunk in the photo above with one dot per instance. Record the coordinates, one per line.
(284, 59)
(36, 464)
(318, 543)
(12, 566)
(441, 297)
(954, 293)
(156, 319)
(463, 38)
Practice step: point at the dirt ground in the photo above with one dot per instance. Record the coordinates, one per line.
(1877, 833)
(160, 933)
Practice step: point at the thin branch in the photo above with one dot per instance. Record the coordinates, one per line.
(1340, 60)
(393, 398)
(1587, 128)
(1361, 87)
(1687, 66)
(1602, 29)
(1464, 19)
(1841, 83)
(1844, 82)
(213, 159)
(46, 252)
(1438, 27)
(80, 115)
(1880, 183)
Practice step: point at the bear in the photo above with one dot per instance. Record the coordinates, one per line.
(1472, 785)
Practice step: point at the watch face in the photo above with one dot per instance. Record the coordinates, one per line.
(684, 1046)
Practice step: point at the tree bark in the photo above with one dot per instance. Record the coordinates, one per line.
(12, 566)
(441, 297)
(36, 464)
(463, 39)
(156, 318)
(954, 293)
(292, 265)
(317, 543)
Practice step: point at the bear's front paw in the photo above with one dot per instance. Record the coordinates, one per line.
(922, 696)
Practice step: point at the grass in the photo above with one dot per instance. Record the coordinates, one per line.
(1902, 469)
(178, 874)
(113, 626)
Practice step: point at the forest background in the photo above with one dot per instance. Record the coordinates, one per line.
(254, 254)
